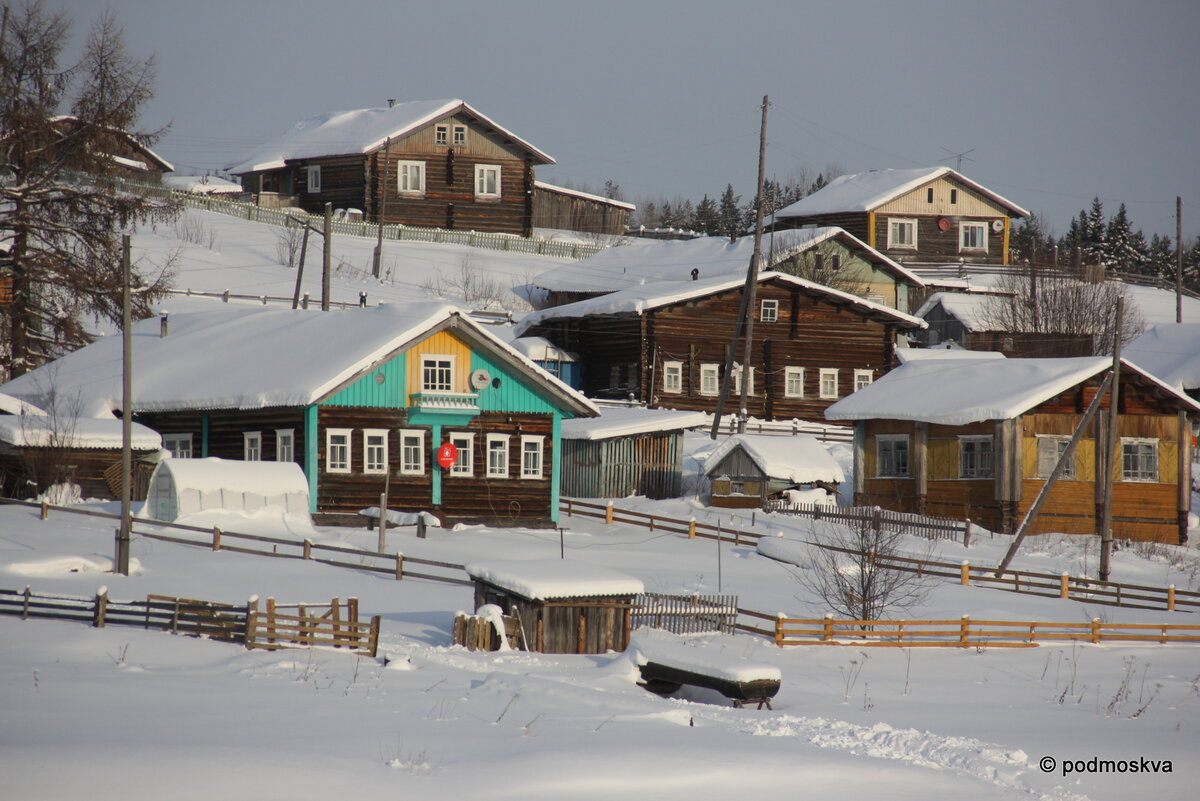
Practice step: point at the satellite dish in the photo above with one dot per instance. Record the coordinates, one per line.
(997, 226)
(480, 378)
(943, 224)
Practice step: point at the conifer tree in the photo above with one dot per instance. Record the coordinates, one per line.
(730, 221)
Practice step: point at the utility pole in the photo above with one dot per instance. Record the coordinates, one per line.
(327, 256)
(1113, 460)
(383, 190)
(749, 292)
(122, 554)
(1178, 259)
(300, 268)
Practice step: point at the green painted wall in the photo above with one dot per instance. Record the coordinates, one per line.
(310, 455)
(512, 395)
(369, 392)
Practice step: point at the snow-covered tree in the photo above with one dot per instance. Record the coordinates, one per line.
(730, 217)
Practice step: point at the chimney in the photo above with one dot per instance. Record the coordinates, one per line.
(391, 102)
(162, 324)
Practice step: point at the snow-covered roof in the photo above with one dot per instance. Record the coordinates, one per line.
(1169, 351)
(547, 579)
(961, 391)
(626, 421)
(800, 459)
(247, 357)
(201, 184)
(866, 191)
(969, 308)
(707, 659)
(216, 491)
(159, 161)
(45, 431)
(212, 474)
(644, 297)
(1157, 306)
(647, 261)
(362, 131)
(540, 349)
(562, 190)
(11, 405)
(904, 355)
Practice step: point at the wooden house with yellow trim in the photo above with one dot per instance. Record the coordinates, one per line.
(362, 400)
(977, 439)
(927, 215)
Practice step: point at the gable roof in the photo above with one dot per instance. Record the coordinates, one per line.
(248, 358)
(1171, 352)
(133, 142)
(650, 296)
(363, 130)
(961, 391)
(972, 309)
(866, 191)
(646, 261)
(801, 459)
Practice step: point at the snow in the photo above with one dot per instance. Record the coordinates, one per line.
(16, 406)
(547, 579)
(42, 431)
(538, 349)
(230, 494)
(970, 309)
(621, 421)
(697, 656)
(201, 184)
(1170, 351)
(959, 391)
(943, 351)
(800, 459)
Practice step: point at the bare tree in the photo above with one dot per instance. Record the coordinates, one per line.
(823, 265)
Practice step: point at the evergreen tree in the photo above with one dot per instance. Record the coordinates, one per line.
(704, 217)
(730, 219)
(1160, 261)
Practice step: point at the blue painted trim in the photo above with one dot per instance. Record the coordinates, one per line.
(310, 455)
(204, 435)
(555, 467)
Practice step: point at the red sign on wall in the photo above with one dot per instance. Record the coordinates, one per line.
(447, 455)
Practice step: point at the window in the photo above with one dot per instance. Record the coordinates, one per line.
(975, 457)
(770, 311)
(1139, 459)
(673, 377)
(437, 373)
(497, 456)
(1049, 451)
(460, 135)
(710, 383)
(972, 236)
(412, 452)
(179, 445)
(891, 455)
(829, 382)
(464, 463)
(441, 134)
(337, 450)
(902, 233)
(929, 195)
(285, 445)
(737, 380)
(835, 261)
(314, 179)
(863, 378)
(487, 180)
(531, 457)
(375, 450)
(793, 382)
(252, 446)
(954, 196)
(410, 177)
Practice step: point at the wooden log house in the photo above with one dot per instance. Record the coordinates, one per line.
(665, 343)
(932, 215)
(362, 400)
(977, 439)
(432, 163)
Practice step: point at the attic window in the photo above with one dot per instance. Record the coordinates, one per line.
(441, 134)
(770, 311)
(953, 195)
(929, 195)
(460, 135)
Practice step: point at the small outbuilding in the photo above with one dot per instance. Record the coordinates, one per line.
(561, 607)
(184, 488)
(747, 470)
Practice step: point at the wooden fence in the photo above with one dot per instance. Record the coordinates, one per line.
(686, 614)
(968, 633)
(245, 624)
(931, 528)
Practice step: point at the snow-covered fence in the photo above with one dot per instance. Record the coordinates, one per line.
(686, 614)
(932, 528)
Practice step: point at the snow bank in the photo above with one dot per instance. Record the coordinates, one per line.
(32, 431)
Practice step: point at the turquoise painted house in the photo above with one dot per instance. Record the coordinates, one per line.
(363, 400)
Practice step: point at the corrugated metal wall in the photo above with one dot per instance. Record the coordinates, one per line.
(642, 464)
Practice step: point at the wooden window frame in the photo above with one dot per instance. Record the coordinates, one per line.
(464, 464)
(672, 378)
(404, 176)
(313, 179)
(408, 468)
(829, 372)
(459, 134)
(380, 468)
(901, 222)
(449, 360)
(539, 454)
(285, 445)
(489, 470)
(1141, 476)
(481, 181)
(972, 225)
(342, 466)
(977, 470)
(769, 311)
(790, 373)
(252, 445)
(710, 370)
(882, 458)
(1046, 460)
(441, 135)
(859, 374)
(172, 442)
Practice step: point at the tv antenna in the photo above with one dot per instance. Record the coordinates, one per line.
(958, 157)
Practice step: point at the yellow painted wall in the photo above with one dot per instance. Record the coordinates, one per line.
(970, 204)
(442, 343)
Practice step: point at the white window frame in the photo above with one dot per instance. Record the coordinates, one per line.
(672, 377)
(313, 178)
(464, 464)
(1047, 458)
(285, 445)
(252, 446)
(482, 180)
(823, 390)
(460, 136)
(532, 458)
(737, 379)
(377, 466)
(441, 363)
(710, 379)
(889, 442)
(896, 223)
(965, 452)
(793, 382)
(863, 378)
(493, 470)
(410, 177)
(441, 134)
(1141, 474)
(769, 311)
(408, 465)
(179, 445)
(342, 465)
(973, 225)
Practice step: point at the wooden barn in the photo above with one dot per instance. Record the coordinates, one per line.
(664, 344)
(746, 471)
(557, 207)
(434, 163)
(130, 157)
(969, 319)
(932, 214)
(561, 607)
(392, 387)
(978, 438)
(626, 451)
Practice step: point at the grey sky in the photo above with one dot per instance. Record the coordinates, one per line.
(1060, 100)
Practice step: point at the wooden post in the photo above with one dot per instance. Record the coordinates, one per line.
(45, 510)
(965, 573)
(373, 646)
(335, 616)
(967, 533)
(25, 605)
(399, 566)
(308, 549)
(352, 610)
(251, 621)
(608, 514)
(1170, 597)
(326, 257)
(1064, 586)
(1113, 460)
(692, 528)
(101, 607)
(271, 621)
(779, 630)
(964, 631)
(382, 543)
(1095, 629)
(216, 539)
(827, 636)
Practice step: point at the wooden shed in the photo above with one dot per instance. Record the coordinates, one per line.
(561, 607)
(747, 470)
(566, 209)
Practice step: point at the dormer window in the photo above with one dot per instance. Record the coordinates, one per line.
(441, 134)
